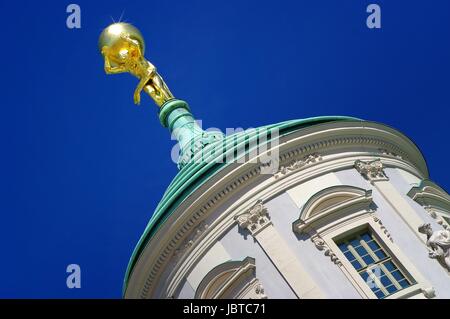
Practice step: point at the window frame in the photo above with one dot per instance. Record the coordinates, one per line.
(378, 262)
(418, 282)
(337, 221)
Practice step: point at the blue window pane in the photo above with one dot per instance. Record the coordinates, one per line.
(364, 276)
(355, 242)
(385, 281)
(390, 266)
(373, 245)
(343, 247)
(366, 237)
(361, 251)
(380, 254)
(356, 264)
(368, 260)
(349, 256)
(404, 283)
(379, 294)
(391, 289)
(397, 275)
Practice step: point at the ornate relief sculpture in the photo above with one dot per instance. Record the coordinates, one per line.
(255, 219)
(322, 246)
(439, 244)
(372, 171)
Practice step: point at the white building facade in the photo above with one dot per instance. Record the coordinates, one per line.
(349, 213)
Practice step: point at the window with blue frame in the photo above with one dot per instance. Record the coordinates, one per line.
(373, 263)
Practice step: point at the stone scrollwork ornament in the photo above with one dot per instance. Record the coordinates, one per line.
(322, 246)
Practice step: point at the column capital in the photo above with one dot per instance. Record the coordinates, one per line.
(255, 219)
(372, 171)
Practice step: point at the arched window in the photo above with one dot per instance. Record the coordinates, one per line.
(331, 204)
(231, 280)
(342, 221)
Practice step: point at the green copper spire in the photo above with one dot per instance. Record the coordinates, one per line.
(123, 47)
(177, 117)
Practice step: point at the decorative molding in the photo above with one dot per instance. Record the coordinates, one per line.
(254, 290)
(259, 291)
(429, 292)
(388, 153)
(297, 165)
(322, 246)
(330, 204)
(373, 171)
(197, 232)
(230, 280)
(186, 228)
(327, 239)
(433, 199)
(382, 227)
(255, 219)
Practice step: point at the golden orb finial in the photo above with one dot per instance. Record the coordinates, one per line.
(111, 35)
(122, 47)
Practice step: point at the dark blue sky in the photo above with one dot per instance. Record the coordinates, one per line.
(83, 168)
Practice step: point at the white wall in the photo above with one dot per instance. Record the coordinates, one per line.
(285, 208)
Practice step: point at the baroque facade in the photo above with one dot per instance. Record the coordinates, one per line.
(350, 212)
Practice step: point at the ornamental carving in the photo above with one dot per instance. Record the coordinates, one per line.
(432, 213)
(298, 164)
(322, 246)
(438, 243)
(429, 292)
(255, 219)
(382, 227)
(259, 292)
(372, 170)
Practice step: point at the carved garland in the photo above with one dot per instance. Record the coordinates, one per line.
(171, 247)
(382, 227)
(297, 165)
(322, 246)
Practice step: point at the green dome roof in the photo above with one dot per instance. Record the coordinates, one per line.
(193, 174)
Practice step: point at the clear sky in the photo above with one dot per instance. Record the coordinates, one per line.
(83, 168)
